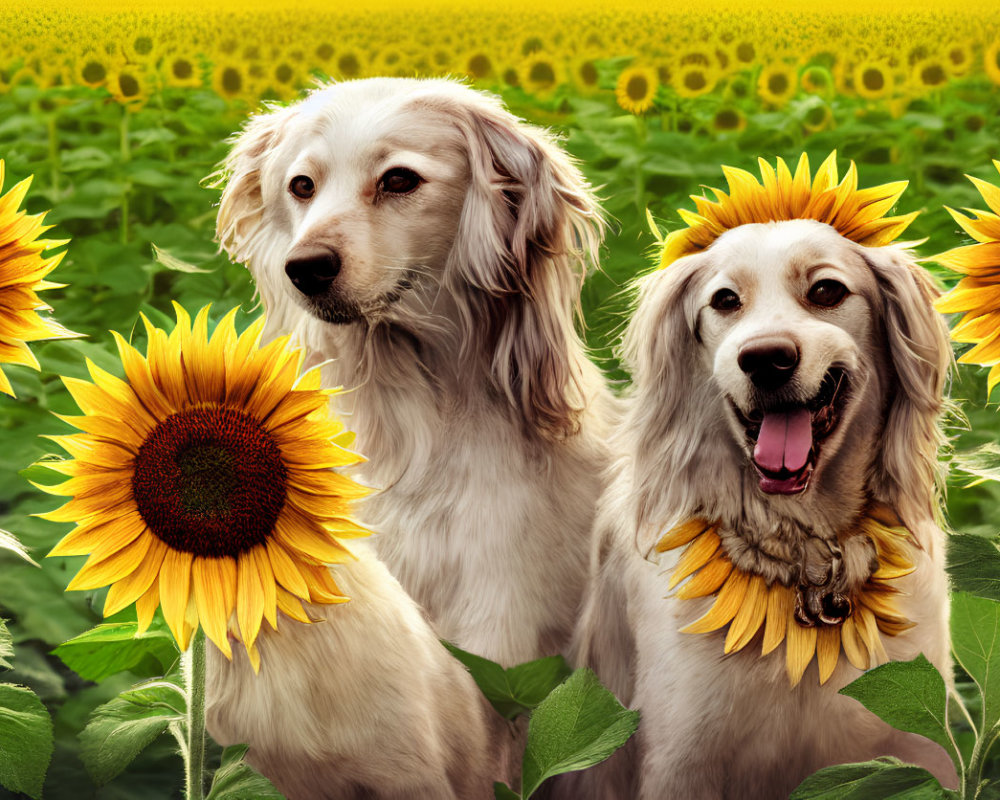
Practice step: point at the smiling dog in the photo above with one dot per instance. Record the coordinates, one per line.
(778, 472)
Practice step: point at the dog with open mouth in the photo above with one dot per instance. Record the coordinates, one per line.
(771, 526)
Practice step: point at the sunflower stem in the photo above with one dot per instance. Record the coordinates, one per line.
(126, 155)
(195, 760)
(53, 131)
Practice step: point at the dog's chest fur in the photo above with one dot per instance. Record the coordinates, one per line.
(485, 527)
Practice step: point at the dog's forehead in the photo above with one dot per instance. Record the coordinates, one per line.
(371, 118)
(790, 248)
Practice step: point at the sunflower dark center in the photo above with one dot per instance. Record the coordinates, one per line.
(778, 83)
(637, 88)
(232, 81)
(873, 79)
(182, 69)
(542, 72)
(695, 80)
(94, 72)
(480, 65)
(210, 481)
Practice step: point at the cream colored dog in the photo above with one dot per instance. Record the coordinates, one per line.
(428, 246)
(786, 382)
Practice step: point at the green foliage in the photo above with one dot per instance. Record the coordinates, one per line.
(886, 778)
(974, 565)
(117, 647)
(909, 695)
(6, 646)
(516, 690)
(237, 780)
(25, 740)
(122, 728)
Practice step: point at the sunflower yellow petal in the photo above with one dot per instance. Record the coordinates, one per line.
(207, 581)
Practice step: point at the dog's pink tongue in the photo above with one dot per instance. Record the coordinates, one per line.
(785, 440)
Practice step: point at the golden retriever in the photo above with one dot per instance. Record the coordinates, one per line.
(787, 384)
(428, 247)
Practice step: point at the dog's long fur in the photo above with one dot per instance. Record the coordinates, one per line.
(452, 325)
(717, 726)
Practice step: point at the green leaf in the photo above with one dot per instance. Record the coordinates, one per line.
(174, 263)
(981, 464)
(910, 696)
(116, 647)
(516, 690)
(9, 542)
(882, 778)
(122, 728)
(501, 791)
(237, 780)
(25, 740)
(578, 725)
(6, 646)
(974, 565)
(975, 641)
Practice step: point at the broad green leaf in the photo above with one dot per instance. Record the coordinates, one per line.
(170, 261)
(25, 740)
(115, 647)
(909, 695)
(122, 728)
(237, 780)
(9, 542)
(975, 641)
(501, 791)
(578, 725)
(516, 690)
(6, 646)
(974, 565)
(981, 464)
(881, 779)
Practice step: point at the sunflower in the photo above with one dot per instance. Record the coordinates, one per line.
(873, 80)
(976, 294)
(22, 274)
(694, 80)
(929, 75)
(478, 65)
(747, 604)
(129, 87)
(817, 79)
(729, 119)
(777, 84)
(958, 58)
(991, 61)
(181, 70)
(229, 79)
(818, 118)
(201, 483)
(857, 214)
(94, 69)
(540, 74)
(636, 89)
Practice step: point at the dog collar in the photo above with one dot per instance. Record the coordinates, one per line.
(745, 602)
(856, 214)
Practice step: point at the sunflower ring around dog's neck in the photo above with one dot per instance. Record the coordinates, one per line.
(746, 602)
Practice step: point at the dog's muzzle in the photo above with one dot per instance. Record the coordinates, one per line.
(313, 275)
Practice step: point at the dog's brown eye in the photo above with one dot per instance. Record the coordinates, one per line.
(399, 180)
(725, 300)
(827, 293)
(302, 186)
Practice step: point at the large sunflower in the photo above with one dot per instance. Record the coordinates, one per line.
(202, 482)
(857, 214)
(978, 293)
(22, 275)
(636, 89)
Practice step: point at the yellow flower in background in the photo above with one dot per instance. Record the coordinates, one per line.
(928, 75)
(817, 79)
(129, 86)
(729, 120)
(777, 84)
(857, 214)
(977, 294)
(873, 80)
(181, 70)
(991, 61)
(202, 484)
(540, 74)
(636, 89)
(23, 269)
(229, 79)
(693, 80)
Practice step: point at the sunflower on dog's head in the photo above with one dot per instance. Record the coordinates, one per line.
(856, 214)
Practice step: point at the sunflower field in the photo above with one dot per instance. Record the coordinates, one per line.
(113, 120)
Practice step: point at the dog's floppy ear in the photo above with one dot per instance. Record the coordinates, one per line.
(672, 405)
(241, 207)
(907, 468)
(529, 226)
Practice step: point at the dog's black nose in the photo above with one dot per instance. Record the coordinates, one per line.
(770, 362)
(313, 276)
